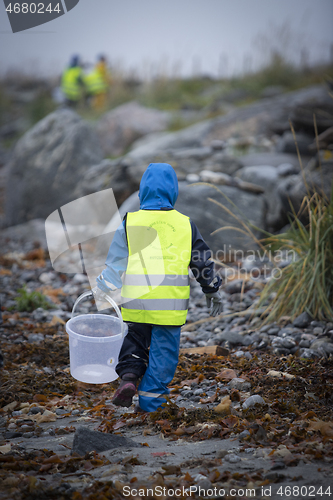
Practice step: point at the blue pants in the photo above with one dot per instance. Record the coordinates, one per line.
(157, 364)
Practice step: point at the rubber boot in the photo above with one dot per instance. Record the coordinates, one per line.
(126, 390)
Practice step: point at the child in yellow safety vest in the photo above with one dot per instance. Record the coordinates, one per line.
(149, 259)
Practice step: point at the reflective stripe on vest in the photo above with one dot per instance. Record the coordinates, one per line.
(70, 84)
(156, 284)
(158, 304)
(156, 280)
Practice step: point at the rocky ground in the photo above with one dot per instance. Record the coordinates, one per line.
(254, 424)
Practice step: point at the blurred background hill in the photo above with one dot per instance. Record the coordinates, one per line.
(201, 86)
(25, 99)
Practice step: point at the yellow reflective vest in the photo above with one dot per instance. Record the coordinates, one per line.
(95, 82)
(70, 83)
(156, 283)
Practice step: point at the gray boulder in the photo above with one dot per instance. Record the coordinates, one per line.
(267, 177)
(190, 137)
(286, 169)
(273, 159)
(286, 143)
(46, 165)
(119, 175)
(221, 161)
(119, 128)
(271, 115)
(193, 200)
(33, 230)
(320, 106)
(318, 176)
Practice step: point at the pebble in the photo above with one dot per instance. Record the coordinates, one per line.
(247, 340)
(322, 344)
(239, 384)
(35, 337)
(304, 343)
(45, 434)
(13, 435)
(39, 315)
(308, 354)
(302, 320)
(242, 354)
(222, 453)
(281, 351)
(232, 458)
(239, 354)
(243, 435)
(80, 278)
(61, 411)
(253, 400)
(35, 409)
(265, 328)
(16, 413)
(47, 278)
(204, 484)
(262, 345)
(255, 337)
(28, 435)
(273, 331)
(288, 342)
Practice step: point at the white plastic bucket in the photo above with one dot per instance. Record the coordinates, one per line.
(95, 341)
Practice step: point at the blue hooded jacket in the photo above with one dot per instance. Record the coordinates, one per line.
(158, 191)
(158, 187)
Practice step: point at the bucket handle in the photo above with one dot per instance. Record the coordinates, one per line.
(111, 302)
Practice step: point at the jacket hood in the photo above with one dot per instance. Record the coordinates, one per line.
(158, 187)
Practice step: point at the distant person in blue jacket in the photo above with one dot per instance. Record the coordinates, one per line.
(149, 259)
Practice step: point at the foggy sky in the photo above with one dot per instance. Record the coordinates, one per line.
(173, 36)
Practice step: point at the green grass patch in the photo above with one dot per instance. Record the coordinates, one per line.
(306, 284)
(29, 301)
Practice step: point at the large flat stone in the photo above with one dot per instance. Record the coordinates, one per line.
(86, 440)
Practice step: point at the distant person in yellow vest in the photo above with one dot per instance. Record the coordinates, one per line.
(98, 83)
(149, 259)
(72, 82)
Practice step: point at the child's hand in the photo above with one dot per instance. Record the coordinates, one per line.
(216, 299)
